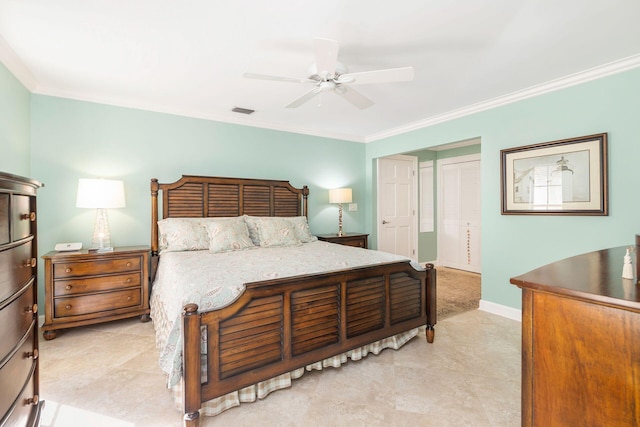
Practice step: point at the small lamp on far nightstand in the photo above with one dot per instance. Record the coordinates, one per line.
(340, 196)
(100, 194)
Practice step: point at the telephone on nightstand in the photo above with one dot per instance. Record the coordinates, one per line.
(60, 247)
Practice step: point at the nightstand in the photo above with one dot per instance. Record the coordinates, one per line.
(349, 239)
(87, 287)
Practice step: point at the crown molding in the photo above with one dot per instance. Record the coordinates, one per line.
(15, 66)
(594, 73)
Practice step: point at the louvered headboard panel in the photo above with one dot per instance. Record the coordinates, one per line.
(209, 196)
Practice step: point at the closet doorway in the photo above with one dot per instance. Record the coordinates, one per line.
(459, 209)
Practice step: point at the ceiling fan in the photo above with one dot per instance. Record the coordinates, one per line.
(326, 74)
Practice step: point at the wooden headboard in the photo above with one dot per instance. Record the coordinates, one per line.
(210, 196)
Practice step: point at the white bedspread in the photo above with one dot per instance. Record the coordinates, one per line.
(215, 280)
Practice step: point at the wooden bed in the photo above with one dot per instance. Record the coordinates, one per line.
(280, 325)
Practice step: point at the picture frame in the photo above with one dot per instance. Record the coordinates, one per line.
(564, 177)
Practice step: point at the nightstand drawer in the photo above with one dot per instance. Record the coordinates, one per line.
(357, 240)
(95, 267)
(96, 284)
(88, 304)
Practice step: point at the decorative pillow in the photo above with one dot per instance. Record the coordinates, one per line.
(276, 232)
(252, 226)
(182, 234)
(227, 235)
(299, 224)
(302, 229)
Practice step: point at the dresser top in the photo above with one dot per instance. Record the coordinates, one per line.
(594, 276)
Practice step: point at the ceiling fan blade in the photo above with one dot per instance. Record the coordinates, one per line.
(326, 57)
(304, 98)
(354, 97)
(276, 78)
(378, 76)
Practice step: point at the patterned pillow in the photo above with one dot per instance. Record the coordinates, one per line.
(302, 228)
(276, 232)
(227, 235)
(182, 234)
(299, 224)
(252, 226)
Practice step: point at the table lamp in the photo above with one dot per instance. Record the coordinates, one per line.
(100, 194)
(340, 196)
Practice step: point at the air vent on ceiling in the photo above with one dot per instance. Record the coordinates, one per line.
(242, 110)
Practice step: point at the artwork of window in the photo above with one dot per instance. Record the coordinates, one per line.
(554, 178)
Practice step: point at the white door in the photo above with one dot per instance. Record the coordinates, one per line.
(459, 234)
(396, 205)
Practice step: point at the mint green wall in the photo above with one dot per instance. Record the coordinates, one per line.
(513, 245)
(72, 139)
(14, 125)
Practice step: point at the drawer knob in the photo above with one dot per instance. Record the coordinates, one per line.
(30, 262)
(128, 264)
(32, 354)
(68, 287)
(28, 216)
(33, 309)
(68, 306)
(129, 298)
(33, 400)
(128, 280)
(67, 270)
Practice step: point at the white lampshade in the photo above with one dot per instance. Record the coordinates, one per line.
(340, 195)
(100, 193)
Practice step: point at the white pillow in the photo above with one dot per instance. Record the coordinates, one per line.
(227, 235)
(276, 231)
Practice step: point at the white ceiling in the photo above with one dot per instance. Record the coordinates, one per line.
(188, 57)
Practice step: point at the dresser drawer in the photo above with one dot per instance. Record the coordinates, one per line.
(15, 272)
(27, 407)
(96, 267)
(96, 284)
(4, 218)
(22, 217)
(88, 304)
(15, 373)
(19, 314)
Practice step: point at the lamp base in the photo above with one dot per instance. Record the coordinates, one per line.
(101, 235)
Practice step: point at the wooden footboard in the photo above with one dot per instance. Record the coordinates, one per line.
(281, 325)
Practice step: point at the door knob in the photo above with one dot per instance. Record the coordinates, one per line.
(384, 221)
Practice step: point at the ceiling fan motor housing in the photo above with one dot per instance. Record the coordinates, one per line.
(319, 75)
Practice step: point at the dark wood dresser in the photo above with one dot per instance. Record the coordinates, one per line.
(20, 404)
(581, 342)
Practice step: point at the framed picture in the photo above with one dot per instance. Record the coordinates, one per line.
(567, 177)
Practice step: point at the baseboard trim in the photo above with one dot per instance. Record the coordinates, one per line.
(501, 310)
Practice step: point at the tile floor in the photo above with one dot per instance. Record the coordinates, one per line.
(108, 375)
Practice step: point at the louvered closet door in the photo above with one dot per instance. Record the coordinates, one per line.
(460, 233)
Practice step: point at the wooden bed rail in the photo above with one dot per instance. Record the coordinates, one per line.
(281, 325)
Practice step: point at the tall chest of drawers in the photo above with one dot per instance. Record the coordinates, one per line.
(20, 404)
